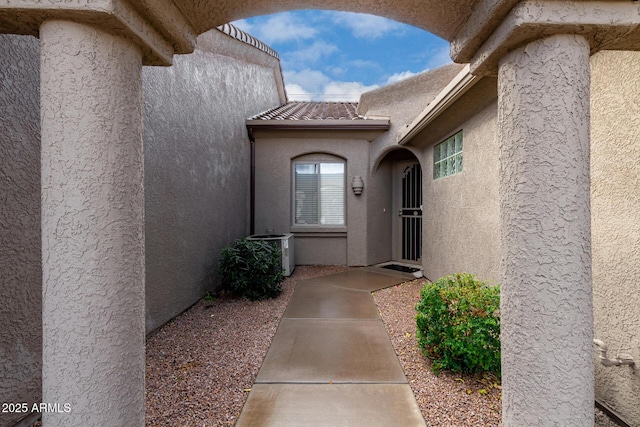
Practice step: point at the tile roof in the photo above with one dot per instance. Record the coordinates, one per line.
(312, 111)
(238, 34)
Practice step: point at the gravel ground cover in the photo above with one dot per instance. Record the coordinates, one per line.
(201, 365)
(446, 399)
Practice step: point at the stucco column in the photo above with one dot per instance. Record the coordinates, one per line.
(92, 227)
(547, 317)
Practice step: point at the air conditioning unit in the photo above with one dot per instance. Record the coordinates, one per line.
(284, 242)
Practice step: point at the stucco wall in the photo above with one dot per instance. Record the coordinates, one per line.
(197, 185)
(274, 154)
(615, 222)
(460, 216)
(384, 239)
(403, 101)
(20, 268)
(380, 213)
(197, 165)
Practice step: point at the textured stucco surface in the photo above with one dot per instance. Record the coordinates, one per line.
(553, 114)
(197, 162)
(199, 149)
(92, 226)
(403, 101)
(481, 31)
(471, 103)
(159, 25)
(384, 201)
(406, 98)
(380, 212)
(605, 24)
(439, 17)
(615, 198)
(275, 151)
(20, 271)
(460, 215)
(158, 32)
(547, 354)
(461, 212)
(486, 16)
(157, 41)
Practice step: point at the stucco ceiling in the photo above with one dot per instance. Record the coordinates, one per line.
(440, 17)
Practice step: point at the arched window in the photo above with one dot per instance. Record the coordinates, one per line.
(319, 192)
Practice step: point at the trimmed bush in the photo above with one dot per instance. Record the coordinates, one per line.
(458, 324)
(252, 268)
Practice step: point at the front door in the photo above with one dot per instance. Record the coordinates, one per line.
(409, 212)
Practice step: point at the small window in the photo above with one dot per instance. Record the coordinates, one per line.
(447, 157)
(319, 193)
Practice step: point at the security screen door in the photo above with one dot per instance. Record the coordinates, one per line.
(410, 211)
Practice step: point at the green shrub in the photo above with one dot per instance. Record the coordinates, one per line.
(252, 268)
(458, 324)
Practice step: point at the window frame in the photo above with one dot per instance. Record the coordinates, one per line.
(456, 156)
(304, 160)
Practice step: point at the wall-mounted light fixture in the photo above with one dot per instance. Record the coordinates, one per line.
(357, 184)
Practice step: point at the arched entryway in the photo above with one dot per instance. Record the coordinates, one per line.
(543, 109)
(409, 233)
(401, 170)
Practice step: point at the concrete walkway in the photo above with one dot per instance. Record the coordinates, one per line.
(331, 362)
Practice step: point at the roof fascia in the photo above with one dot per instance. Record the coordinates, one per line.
(457, 87)
(319, 124)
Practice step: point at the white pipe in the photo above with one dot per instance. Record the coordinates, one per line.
(622, 359)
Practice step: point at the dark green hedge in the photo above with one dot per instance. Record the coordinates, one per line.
(252, 268)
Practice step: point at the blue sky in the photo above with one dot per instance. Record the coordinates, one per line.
(335, 56)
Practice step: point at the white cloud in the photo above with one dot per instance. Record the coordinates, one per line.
(307, 85)
(400, 76)
(305, 46)
(295, 92)
(280, 28)
(310, 54)
(366, 26)
(345, 91)
(363, 63)
(312, 81)
(337, 70)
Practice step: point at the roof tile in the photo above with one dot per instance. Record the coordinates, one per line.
(235, 32)
(297, 110)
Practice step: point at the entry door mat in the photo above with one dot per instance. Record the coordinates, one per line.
(402, 268)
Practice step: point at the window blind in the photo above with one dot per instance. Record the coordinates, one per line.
(319, 193)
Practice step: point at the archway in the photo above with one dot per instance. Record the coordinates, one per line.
(442, 18)
(398, 174)
(540, 110)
